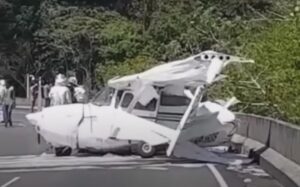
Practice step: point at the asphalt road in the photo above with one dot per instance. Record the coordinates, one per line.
(21, 139)
(23, 162)
(127, 171)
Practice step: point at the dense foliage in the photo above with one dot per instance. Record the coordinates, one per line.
(104, 39)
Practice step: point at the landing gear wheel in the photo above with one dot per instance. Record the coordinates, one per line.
(230, 149)
(145, 150)
(62, 151)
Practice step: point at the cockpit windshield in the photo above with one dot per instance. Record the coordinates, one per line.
(103, 97)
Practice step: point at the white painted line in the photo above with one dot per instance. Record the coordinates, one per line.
(194, 165)
(21, 125)
(154, 168)
(50, 169)
(10, 182)
(123, 167)
(217, 175)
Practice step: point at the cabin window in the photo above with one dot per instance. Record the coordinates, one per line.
(174, 100)
(119, 97)
(104, 97)
(127, 100)
(151, 106)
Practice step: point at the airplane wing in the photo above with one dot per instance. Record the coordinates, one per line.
(202, 68)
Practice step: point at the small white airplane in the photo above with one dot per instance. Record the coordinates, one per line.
(161, 107)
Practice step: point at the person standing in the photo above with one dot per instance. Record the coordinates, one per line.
(46, 91)
(72, 84)
(80, 94)
(34, 94)
(2, 94)
(60, 94)
(9, 103)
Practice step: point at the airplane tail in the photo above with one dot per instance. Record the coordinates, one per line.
(195, 132)
(202, 133)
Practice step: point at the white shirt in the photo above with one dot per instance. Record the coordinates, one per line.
(80, 94)
(2, 94)
(9, 96)
(60, 95)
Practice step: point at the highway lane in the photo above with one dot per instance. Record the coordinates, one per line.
(142, 172)
(27, 165)
(114, 178)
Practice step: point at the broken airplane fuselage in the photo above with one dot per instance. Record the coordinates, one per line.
(163, 106)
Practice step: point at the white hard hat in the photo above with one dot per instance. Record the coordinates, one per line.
(2, 82)
(60, 79)
(73, 80)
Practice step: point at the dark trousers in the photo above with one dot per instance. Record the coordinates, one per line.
(7, 111)
(33, 104)
(47, 102)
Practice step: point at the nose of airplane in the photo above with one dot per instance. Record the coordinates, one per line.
(34, 118)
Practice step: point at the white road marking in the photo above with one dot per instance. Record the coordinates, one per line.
(183, 165)
(154, 168)
(50, 169)
(10, 182)
(195, 165)
(247, 180)
(252, 170)
(49, 161)
(217, 175)
(16, 124)
(21, 125)
(123, 167)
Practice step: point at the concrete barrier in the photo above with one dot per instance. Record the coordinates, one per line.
(285, 139)
(276, 144)
(259, 129)
(244, 123)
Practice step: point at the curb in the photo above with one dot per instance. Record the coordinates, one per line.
(284, 170)
(271, 146)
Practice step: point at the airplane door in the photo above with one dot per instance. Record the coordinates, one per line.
(148, 112)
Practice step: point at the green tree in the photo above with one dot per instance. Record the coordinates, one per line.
(271, 86)
(130, 66)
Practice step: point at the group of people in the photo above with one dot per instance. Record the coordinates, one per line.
(64, 91)
(7, 101)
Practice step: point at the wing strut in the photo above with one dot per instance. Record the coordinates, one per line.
(183, 120)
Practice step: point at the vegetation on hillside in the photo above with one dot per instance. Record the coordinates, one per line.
(108, 38)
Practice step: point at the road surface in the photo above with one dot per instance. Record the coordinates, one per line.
(23, 162)
(21, 139)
